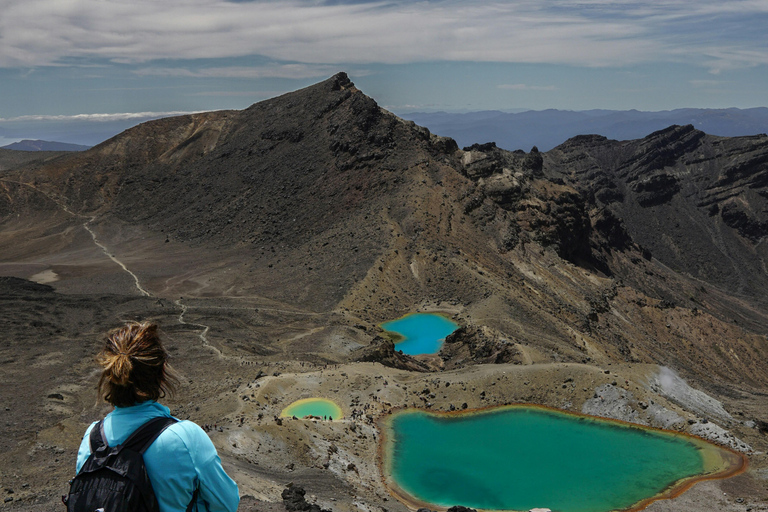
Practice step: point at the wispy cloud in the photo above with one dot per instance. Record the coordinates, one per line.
(316, 33)
(294, 71)
(239, 94)
(125, 116)
(728, 58)
(526, 87)
(707, 83)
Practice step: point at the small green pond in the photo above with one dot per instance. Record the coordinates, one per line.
(523, 457)
(318, 407)
(422, 333)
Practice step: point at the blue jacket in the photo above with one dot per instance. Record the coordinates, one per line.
(180, 459)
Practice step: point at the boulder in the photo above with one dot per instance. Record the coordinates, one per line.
(294, 500)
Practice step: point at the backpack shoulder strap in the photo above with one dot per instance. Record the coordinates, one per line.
(192, 503)
(145, 435)
(97, 439)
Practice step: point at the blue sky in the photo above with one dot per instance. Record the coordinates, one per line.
(82, 64)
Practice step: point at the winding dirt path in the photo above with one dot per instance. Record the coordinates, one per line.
(112, 257)
(86, 226)
(204, 329)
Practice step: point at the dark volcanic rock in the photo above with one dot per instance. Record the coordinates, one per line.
(382, 350)
(656, 189)
(11, 158)
(479, 345)
(455, 508)
(664, 148)
(17, 286)
(550, 213)
(736, 215)
(698, 203)
(294, 500)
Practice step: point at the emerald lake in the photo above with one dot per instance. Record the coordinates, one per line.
(319, 407)
(522, 457)
(422, 333)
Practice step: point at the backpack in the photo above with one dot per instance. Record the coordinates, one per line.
(114, 479)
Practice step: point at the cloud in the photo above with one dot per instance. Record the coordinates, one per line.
(317, 34)
(293, 71)
(708, 83)
(239, 94)
(726, 59)
(525, 87)
(125, 116)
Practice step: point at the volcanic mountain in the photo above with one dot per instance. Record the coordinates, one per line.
(44, 145)
(278, 237)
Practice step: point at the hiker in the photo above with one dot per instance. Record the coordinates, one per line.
(182, 464)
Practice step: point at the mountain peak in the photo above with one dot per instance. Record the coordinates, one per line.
(341, 81)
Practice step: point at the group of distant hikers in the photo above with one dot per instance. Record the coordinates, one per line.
(139, 458)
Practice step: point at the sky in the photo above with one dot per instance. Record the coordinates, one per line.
(76, 69)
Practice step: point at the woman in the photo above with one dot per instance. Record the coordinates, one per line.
(182, 462)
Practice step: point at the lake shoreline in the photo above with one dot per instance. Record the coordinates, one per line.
(322, 406)
(731, 462)
(420, 333)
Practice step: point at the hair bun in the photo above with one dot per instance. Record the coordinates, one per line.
(119, 369)
(134, 365)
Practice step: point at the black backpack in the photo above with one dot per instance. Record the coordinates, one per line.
(115, 479)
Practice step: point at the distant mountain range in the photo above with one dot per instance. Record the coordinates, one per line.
(44, 145)
(544, 129)
(547, 129)
(74, 129)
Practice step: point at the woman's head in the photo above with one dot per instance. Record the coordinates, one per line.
(135, 367)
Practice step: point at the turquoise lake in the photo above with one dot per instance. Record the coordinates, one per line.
(518, 458)
(423, 333)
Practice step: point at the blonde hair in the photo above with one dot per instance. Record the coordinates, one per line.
(135, 367)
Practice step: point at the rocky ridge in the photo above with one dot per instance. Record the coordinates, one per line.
(696, 202)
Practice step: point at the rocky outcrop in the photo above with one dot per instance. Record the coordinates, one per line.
(656, 189)
(555, 215)
(478, 345)
(382, 350)
(750, 225)
(294, 500)
(455, 508)
(543, 211)
(688, 198)
(662, 149)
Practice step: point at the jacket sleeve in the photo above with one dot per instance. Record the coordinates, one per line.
(216, 489)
